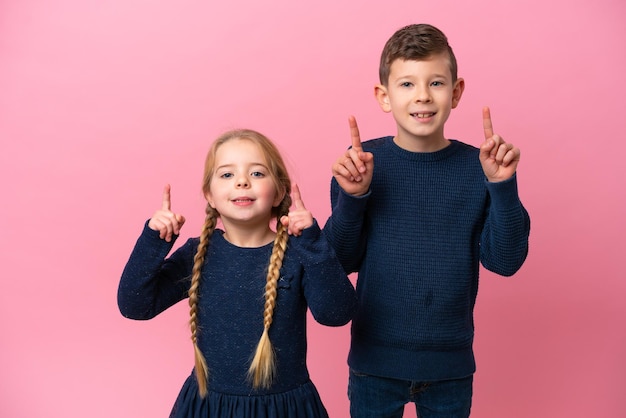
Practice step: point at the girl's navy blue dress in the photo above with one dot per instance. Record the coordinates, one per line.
(231, 317)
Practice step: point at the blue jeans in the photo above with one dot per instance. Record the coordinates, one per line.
(380, 397)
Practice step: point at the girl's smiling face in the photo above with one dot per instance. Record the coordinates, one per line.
(242, 189)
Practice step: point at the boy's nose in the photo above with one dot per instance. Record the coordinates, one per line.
(422, 95)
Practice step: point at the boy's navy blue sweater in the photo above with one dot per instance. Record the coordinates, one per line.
(416, 239)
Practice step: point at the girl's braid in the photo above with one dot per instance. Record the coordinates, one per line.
(202, 371)
(263, 366)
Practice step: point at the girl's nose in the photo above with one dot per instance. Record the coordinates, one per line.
(242, 181)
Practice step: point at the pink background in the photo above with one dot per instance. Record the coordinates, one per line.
(103, 102)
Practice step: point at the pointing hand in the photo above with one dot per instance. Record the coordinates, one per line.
(164, 220)
(299, 218)
(498, 158)
(353, 170)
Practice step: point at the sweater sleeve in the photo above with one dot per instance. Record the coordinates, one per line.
(329, 293)
(345, 227)
(504, 240)
(150, 283)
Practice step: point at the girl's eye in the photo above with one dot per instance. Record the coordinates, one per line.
(226, 175)
(257, 174)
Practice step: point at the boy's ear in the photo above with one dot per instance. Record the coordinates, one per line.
(457, 92)
(382, 96)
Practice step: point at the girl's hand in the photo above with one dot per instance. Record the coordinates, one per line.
(299, 218)
(499, 159)
(164, 220)
(353, 170)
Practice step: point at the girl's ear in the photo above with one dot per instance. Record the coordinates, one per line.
(457, 92)
(209, 200)
(380, 92)
(279, 198)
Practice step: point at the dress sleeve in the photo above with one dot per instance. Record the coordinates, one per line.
(150, 282)
(329, 292)
(345, 228)
(504, 240)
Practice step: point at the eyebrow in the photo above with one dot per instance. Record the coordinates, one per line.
(223, 166)
(412, 76)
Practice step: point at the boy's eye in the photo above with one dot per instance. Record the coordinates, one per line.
(406, 84)
(437, 83)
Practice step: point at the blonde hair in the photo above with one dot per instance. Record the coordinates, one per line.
(263, 366)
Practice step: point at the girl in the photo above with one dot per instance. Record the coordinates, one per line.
(248, 286)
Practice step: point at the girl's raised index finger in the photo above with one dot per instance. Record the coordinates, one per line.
(166, 203)
(296, 197)
(487, 125)
(354, 133)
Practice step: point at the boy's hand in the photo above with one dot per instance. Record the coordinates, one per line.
(353, 170)
(164, 220)
(499, 159)
(299, 218)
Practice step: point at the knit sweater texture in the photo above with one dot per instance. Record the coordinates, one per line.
(416, 240)
(231, 301)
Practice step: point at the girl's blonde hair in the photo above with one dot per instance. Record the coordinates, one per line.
(262, 367)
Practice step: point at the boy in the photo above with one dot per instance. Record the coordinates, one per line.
(414, 215)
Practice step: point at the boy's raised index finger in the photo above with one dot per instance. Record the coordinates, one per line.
(166, 203)
(354, 133)
(487, 125)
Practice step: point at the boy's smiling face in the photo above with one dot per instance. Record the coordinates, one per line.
(420, 95)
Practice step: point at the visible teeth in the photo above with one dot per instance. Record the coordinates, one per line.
(424, 115)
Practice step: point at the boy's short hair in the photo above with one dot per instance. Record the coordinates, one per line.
(415, 42)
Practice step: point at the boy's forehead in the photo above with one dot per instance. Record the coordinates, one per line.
(435, 63)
